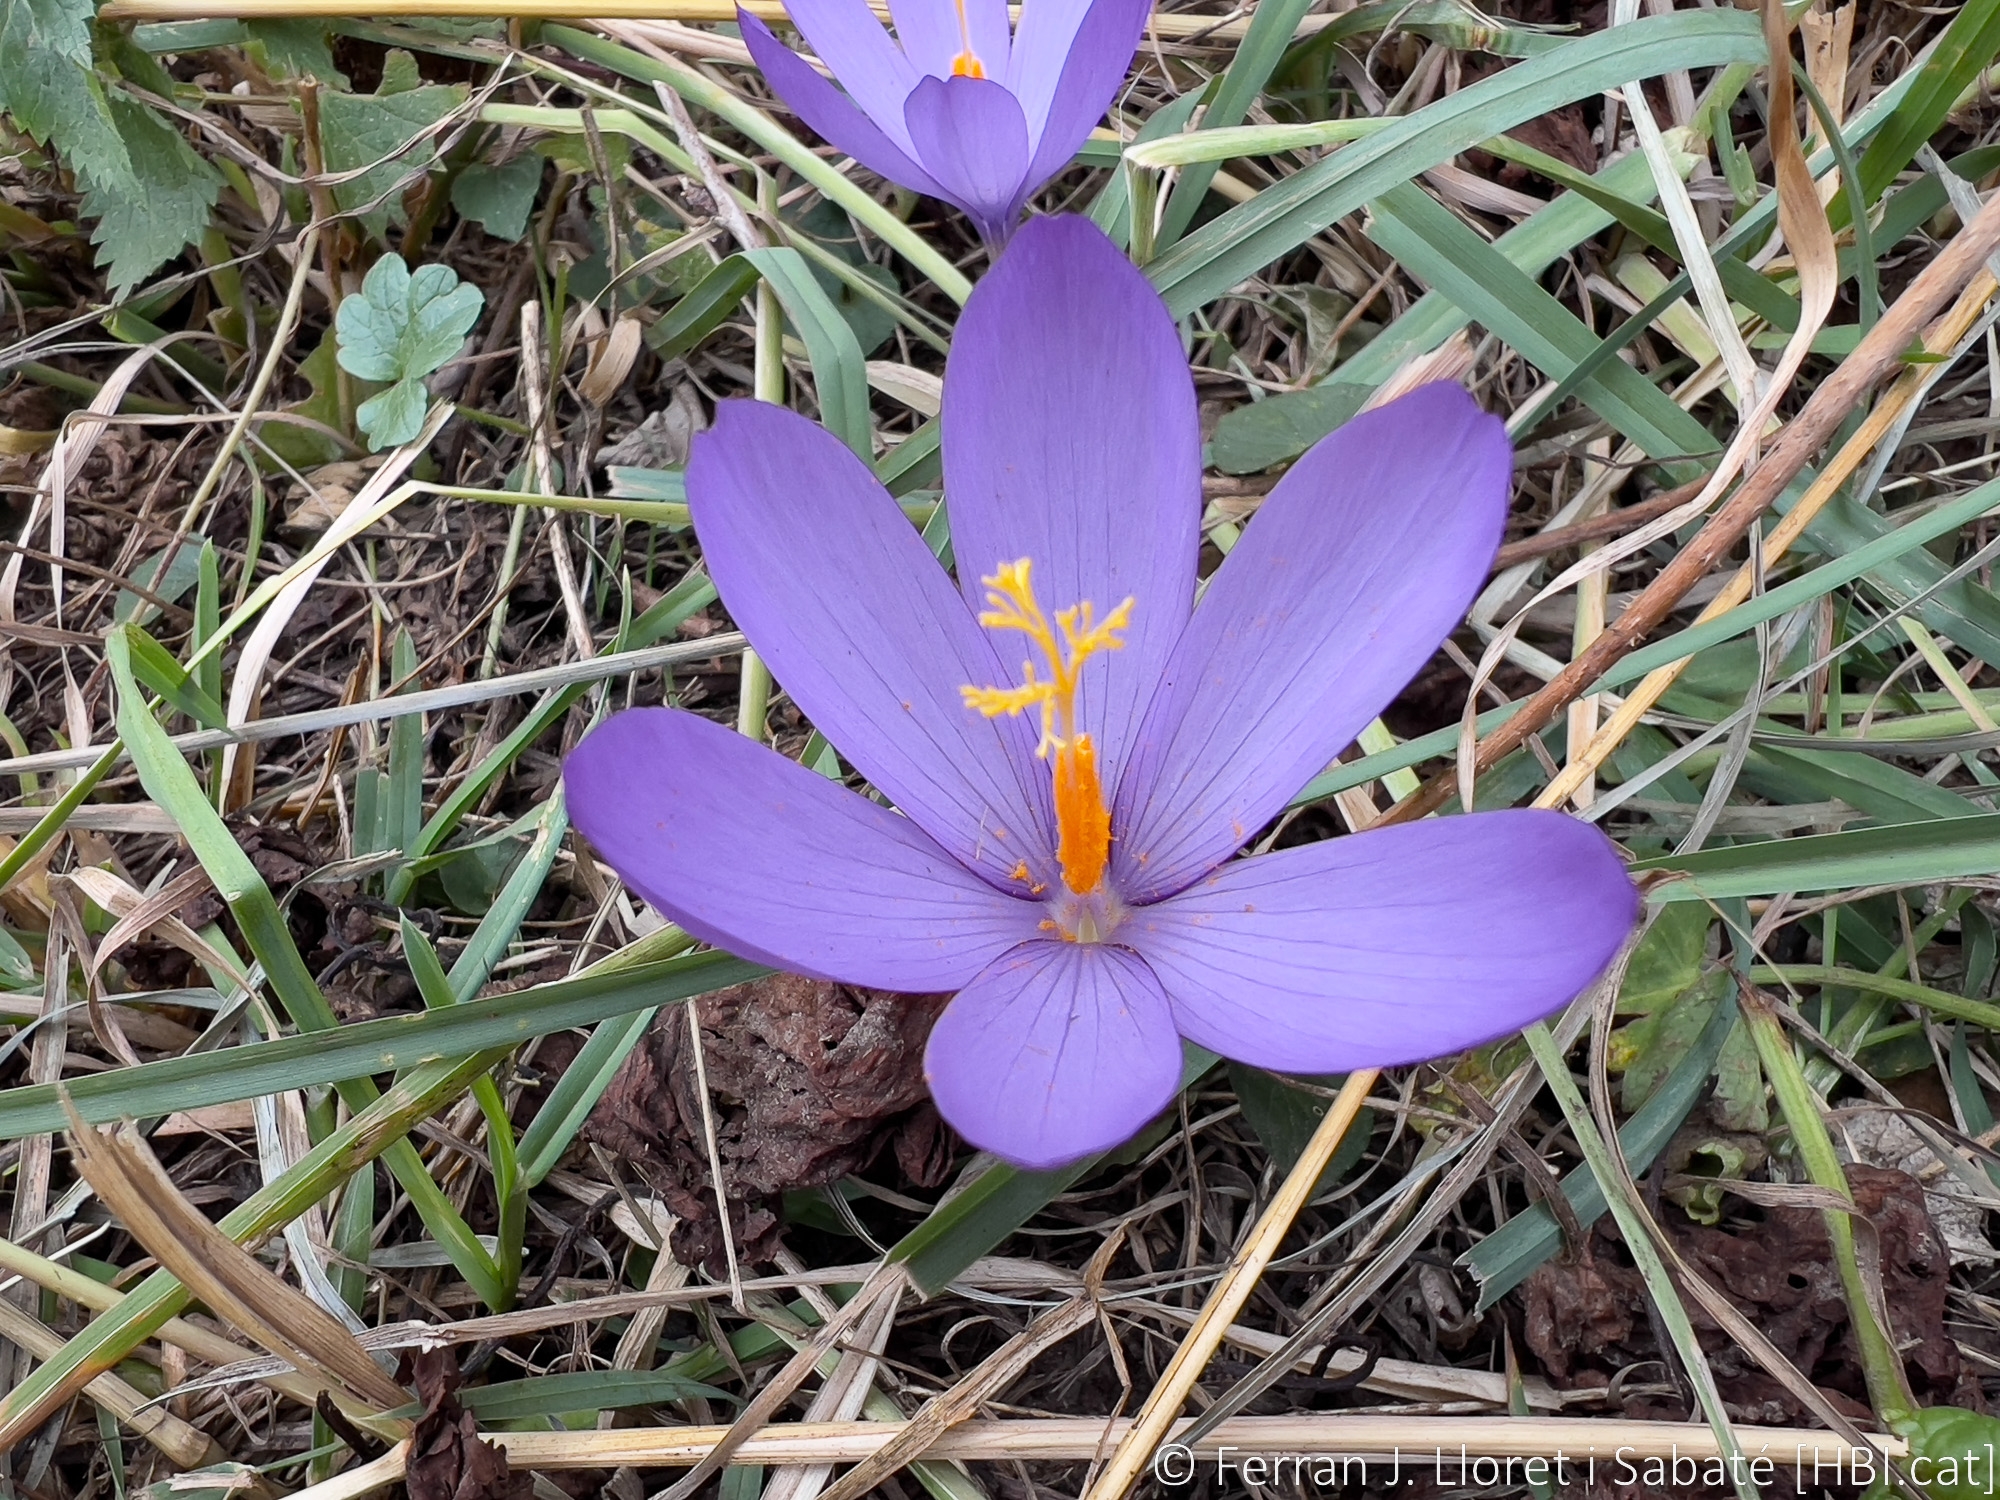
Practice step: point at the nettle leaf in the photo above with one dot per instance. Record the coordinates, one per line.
(401, 327)
(149, 190)
(47, 85)
(60, 27)
(384, 132)
(163, 204)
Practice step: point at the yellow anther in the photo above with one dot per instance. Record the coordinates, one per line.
(1083, 822)
(991, 702)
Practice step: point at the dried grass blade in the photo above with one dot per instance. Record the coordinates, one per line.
(184, 1443)
(221, 1273)
(888, 1279)
(990, 1376)
(1156, 1417)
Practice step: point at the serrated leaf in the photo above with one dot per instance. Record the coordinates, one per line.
(61, 27)
(160, 206)
(56, 99)
(377, 131)
(499, 198)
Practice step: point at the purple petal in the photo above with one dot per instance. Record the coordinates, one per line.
(862, 627)
(756, 854)
(1056, 1052)
(1091, 76)
(1389, 947)
(1071, 437)
(969, 135)
(1042, 42)
(831, 113)
(1360, 561)
(931, 38)
(848, 39)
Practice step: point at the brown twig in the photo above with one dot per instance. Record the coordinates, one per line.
(1611, 523)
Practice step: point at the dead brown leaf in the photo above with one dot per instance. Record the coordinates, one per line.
(448, 1459)
(809, 1082)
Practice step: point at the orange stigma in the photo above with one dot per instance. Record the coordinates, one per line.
(967, 63)
(1083, 822)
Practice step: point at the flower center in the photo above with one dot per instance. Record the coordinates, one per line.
(1083, 822)
(967, 63)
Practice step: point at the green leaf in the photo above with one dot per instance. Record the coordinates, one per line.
(149, 190)
(1739, 1084)
(1257, 57)
(839, 374)
(390, 418)
(405, 324)
(366, 1048)
(183, 566)
(1532, 245)
(1966, 48)
(386, 132)
(1667, 960)
(400, 74)
(400, 328)
(1254, 437)
(295, 49)
(162, 205)
(1285, 1117)
(1951, 1454)
(47, 85)
(1651, 1047)
(499, 198)
(588, 1390)
(1436, 247)
(1924, 853)
(58, 27)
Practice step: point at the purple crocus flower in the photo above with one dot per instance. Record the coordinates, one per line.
(959, 110)
(1061, 857)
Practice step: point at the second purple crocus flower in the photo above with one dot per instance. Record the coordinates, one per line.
(1072, 782)
(960, 106)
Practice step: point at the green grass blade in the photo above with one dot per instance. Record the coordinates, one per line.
(1925, 853)
(367, 1048)
(1242, 242)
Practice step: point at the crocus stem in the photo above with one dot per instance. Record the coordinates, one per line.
(1881, 1366)
(1227, 1300)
